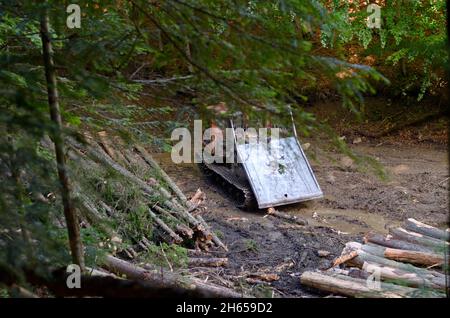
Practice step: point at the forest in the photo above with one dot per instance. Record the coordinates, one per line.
(319, 160)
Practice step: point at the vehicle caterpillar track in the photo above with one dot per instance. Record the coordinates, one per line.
(233, 182)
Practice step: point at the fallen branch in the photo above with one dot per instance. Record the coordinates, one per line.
(263, 277)
(17, 291)
(344, 258)
(214, 237)
(403, 124)
(207, 262)
(197, 199)
(92, 215)
(195, 224)
(109, 211)
(131, 271)
(180, 228)
(285, 216)
(97, 155)
(148, 158)
(105, 146)
(163, 80)
(137, 160)
(176, 238)
(99, 285)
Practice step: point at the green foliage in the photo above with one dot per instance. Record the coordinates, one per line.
(4, 293)
(133, 222)
(165, 254)
(412, 33)
(137, 223)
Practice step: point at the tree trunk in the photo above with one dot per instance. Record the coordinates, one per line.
(355, 287)
(148, 158)
(114, 287)
(398, 276)
(435, 277)
(131, 271)
(214, 237)
(73, 227)
(436, 245)
(428, 230)
(174, 236)
(388, 241)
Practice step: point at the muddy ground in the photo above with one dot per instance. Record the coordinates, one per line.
(355, 201)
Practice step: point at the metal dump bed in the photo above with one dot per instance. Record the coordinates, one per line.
(279, 172)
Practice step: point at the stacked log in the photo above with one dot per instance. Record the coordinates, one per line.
(409, 262)
(172, 214)
(356, 287)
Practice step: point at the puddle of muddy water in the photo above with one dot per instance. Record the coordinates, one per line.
(346, 221)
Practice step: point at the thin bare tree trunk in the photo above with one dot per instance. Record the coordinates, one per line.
(73, 226)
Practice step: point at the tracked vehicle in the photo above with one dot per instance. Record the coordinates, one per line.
(265, 174)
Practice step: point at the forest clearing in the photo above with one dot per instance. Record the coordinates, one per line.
(319, 168)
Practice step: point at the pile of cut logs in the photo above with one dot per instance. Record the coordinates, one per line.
(174, 217)
(409, 262)
(173, 213)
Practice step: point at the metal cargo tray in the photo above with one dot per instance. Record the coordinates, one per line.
(279, 172)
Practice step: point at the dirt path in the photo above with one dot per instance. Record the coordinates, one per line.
(354, 203)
